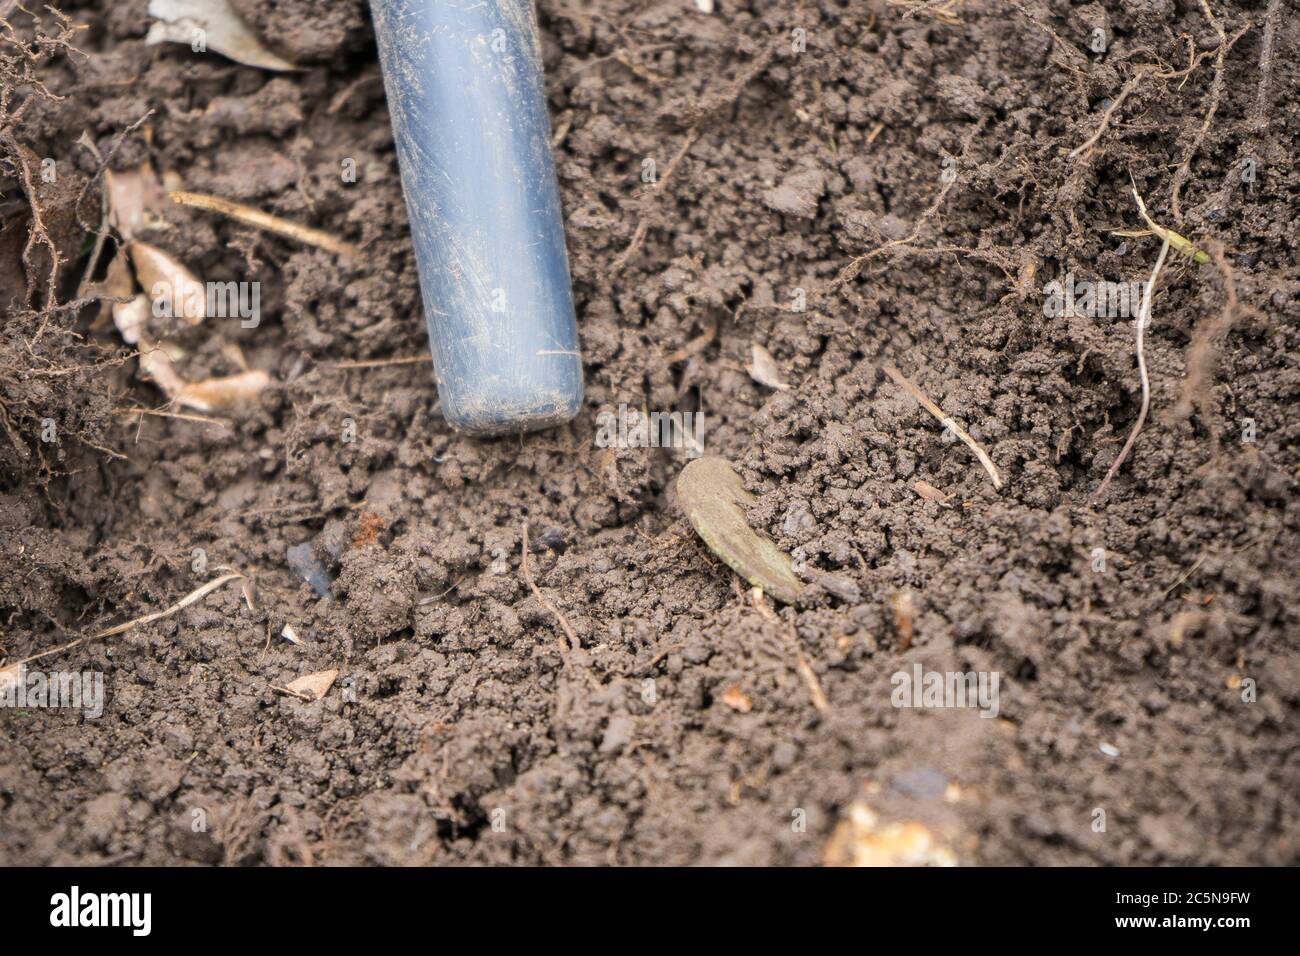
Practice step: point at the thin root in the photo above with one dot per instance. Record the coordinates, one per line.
(819, 699)
(1144, 316)
(546, 602)
(1216, 94)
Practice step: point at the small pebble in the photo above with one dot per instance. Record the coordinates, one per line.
(1109, 750)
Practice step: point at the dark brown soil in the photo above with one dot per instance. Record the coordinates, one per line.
(456, 733)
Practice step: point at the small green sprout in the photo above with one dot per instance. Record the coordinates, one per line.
(1178, 243)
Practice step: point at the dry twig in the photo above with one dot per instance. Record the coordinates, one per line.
(1266, 62)
(196, 595)
(263, 220)
(947, 422)
(383, 363)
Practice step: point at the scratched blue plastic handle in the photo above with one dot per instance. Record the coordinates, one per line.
(464, 85)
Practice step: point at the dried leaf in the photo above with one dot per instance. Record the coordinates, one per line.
(166, 281)
(762, 369)
(714, 499)
(313, 686)
(136, 200)
(216, 24)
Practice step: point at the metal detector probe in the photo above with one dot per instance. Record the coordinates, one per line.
(464, 86)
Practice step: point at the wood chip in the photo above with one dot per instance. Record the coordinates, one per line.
(714, 499)
(737, 699)
(904, 618)
(762, 369)
(930, 493)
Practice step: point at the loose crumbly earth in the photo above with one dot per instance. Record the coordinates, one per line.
(1127, 631)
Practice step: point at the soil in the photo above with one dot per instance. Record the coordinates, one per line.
(1145, 639)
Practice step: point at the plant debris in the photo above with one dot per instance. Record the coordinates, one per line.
(310, 687)
(737, 699)
(196, 595)
(1143, 319)
(167, 283)
(136, 199)
(264, 220)
(1180, 243)
(930, 493)
(947, 422)
(714, 500)
(199, 24)
(904, 615)
(762, 369)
